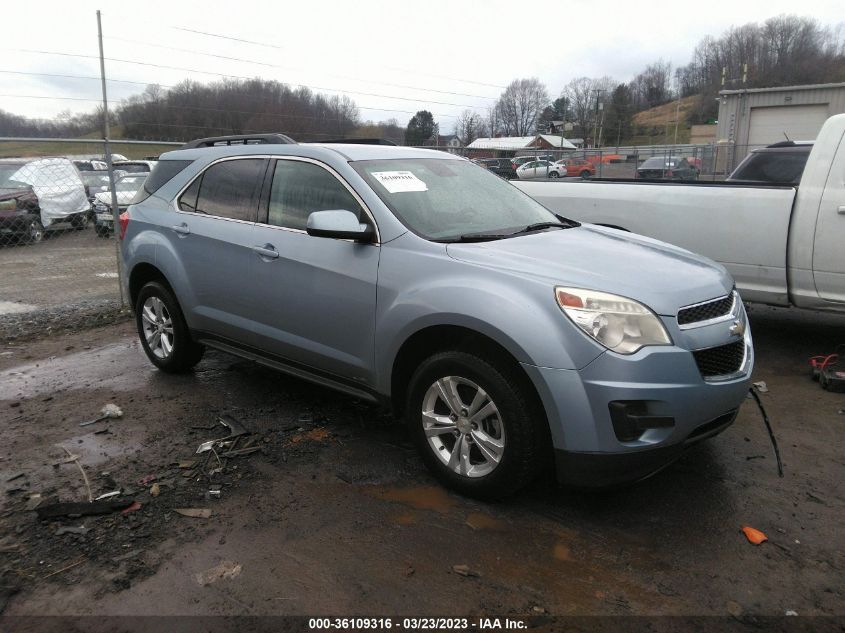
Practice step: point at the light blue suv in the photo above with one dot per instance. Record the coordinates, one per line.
(508, 338)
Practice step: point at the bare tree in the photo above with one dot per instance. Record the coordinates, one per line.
(469, 126)
(652, 86)
(584, 96)
(520, 106)
(493, 125)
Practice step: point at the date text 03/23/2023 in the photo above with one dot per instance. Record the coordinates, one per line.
(417, 624)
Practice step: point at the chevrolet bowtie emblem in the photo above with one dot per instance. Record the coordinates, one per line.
(738, 328)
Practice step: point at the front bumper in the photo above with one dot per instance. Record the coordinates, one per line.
(17, 223)
(671, 406)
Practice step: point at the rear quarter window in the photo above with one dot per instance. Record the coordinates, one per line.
(162, 173)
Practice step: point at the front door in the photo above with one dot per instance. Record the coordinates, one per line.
(315, 297)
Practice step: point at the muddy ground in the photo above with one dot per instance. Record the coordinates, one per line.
(335, 514)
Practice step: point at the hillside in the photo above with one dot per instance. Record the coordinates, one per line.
(657, 125)
(10, 149)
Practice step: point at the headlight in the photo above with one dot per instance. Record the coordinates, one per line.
(620, 324)
(9, 205)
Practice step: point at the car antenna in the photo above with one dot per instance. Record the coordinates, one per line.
(787, 137)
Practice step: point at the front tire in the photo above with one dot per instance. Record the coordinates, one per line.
(35, 232)
(585, 174)
(163, 331)
(554, 174)
(475, 424)
(80, 221)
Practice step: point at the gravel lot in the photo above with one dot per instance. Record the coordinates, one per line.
(334, 513)
(67, 282)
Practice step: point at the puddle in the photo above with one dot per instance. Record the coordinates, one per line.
(419, 497)
(406, 518)
(479, 521)
(94, 449)
(561, 551)
(88, 369)
(13, 307)
(314, 435)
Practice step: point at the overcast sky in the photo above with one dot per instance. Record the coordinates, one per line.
(443, 56)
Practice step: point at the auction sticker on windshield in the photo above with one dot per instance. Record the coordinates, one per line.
(399, 181)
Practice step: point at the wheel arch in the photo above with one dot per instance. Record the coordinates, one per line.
(142, 274)
(436, 338)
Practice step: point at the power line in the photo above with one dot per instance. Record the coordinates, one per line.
(33, 74)
(275, 46)
(269, 65)
(206, 72)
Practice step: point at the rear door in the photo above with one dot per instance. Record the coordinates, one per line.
(212, 232)
(314, 298)
(829, 247)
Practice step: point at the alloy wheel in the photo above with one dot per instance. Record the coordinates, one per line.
(463, 426)
(158, 327)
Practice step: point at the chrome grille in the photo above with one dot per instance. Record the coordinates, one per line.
(706, 311)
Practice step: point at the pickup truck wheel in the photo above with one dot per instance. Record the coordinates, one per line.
(472, 424)
(164, 334)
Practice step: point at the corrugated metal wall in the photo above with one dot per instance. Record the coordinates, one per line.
(735, 108)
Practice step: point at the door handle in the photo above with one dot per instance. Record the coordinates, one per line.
(181, 229)
(841, 210)
(267, 251)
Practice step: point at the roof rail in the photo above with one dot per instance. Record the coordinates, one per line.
(361, 141)
(240, 139)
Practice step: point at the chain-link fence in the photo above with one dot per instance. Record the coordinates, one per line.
(706, 162)
(57, 252)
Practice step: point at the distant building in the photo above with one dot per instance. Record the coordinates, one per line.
(511, 145)
(756, 117)
(449, 141)
(702, 134)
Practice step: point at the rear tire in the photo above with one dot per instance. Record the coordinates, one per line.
(585, 174)
(492, 421)
(163, 331)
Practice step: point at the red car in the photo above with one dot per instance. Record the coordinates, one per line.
(572, 167)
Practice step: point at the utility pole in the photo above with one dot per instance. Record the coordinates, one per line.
(598, 91)
(114, 207)
(677, 115)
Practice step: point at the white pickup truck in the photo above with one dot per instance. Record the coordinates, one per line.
(784, 245)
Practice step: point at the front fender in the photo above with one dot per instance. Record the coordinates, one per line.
(518, 313)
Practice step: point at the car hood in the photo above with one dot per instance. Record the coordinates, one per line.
(662, 276)
(15, 192)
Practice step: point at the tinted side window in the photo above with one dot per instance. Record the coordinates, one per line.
(229, 189)
(188, 200)
(301, 188)
(161, 174)
(777, 167)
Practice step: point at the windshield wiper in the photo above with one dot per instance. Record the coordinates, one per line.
(537, 226)
(480, 237)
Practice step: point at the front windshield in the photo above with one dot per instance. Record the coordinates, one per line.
(443, 199)
(129, 184)
(6, 173)
(94, 177)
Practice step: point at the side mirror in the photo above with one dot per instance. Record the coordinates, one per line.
(340, 224)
